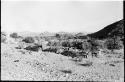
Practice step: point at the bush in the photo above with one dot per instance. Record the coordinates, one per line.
(3, 37)
(77, 44)
(94, 45)
(66, 44)
(3, 33)
(48, 38)
(67, 36)
(64, 36)
(29, 40)
(54, 43)
(14, 35)
(51, 50)
(57, 36)
(32, 48)
(113, 44)
(69, 53)
(86, 45)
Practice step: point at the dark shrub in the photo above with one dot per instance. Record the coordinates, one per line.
(3, 33)
(96, 44)
(67, 36)
(54, 43)
(50, 50)
(57, 36)
(3, 37)
(83, 54)
(94, 47)
(64, 36)
(29, 40)
(14, 35)
(113, 44)
(66, 44)
(69, 53)
(77, 44)
(32, 48)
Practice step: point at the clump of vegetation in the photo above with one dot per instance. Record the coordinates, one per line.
(57, 36)
(77, 44)
(50, 49)
(14, 35)
(74, 44)
(113, 43)
(3, 37)
(32, 48)
(69, 53)
(54, 43)
(29, 40)
(94, 46)
(66, 44)
(86, 46)
(64, 36)
(3, 33)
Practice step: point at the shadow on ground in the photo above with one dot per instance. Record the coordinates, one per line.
(66, 71)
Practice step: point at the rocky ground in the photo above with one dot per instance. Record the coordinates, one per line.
(20, 64)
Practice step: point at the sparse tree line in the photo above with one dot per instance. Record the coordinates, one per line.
(67, 45)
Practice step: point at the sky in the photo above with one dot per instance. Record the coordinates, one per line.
(56, 16)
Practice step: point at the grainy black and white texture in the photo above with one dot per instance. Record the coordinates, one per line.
(84, 42)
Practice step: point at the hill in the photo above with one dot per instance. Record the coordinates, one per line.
(116, 29)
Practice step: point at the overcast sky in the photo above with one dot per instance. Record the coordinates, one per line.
(55, 16)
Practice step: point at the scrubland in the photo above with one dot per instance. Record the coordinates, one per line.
(60, 58)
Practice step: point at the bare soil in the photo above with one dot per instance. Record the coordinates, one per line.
(20, 64)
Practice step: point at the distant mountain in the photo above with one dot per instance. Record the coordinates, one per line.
(28, 33)
(47, 34)
(116, 29)
(74, 33)
(80, 34)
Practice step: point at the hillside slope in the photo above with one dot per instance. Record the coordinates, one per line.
(116, 28)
